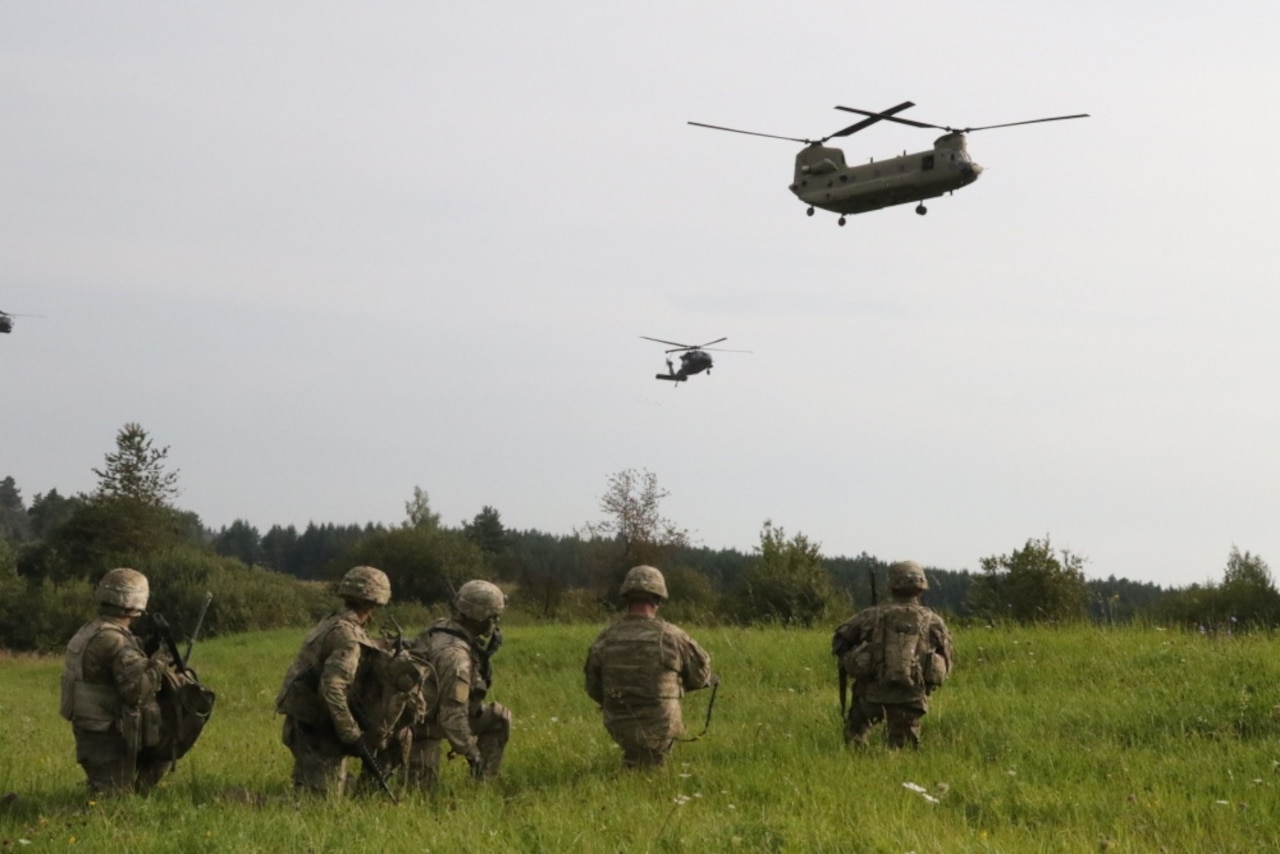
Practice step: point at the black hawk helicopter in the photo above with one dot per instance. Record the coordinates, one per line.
(6, 320)
(824, 180)
(694, 359)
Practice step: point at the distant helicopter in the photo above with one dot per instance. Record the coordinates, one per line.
(6, 320)
(823, 180)
(693, 359)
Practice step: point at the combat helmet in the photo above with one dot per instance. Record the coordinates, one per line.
(479, 600)
(907, 576)
(365, 584)
(644, 579)
(125, 590)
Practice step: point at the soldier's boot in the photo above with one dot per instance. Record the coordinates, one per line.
(423, 769)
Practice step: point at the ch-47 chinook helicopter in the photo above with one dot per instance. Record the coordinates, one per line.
(693, 359)
(824, 180)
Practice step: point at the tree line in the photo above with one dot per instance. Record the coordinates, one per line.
(54, 548)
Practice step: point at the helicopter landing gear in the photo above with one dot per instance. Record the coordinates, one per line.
(809, 212)
(921, 209)
(840, 221)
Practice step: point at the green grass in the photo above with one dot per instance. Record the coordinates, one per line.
(1045, 740)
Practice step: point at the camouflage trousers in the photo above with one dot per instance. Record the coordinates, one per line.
(109, 766)
(645, 735)
(319, 761)
(902, 722)
(491, 728)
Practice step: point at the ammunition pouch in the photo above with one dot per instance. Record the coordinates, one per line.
(301, 700)
(935, 671)
(860, 662)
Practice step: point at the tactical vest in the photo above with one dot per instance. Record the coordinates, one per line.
(639, 663)
(92, 707)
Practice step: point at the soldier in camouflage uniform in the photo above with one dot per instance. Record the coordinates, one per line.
(320, 726)
(109, 687)
(898, 654)
(458, 650)
(638, 669)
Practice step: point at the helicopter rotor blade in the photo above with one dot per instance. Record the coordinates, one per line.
(726, 350)
(1029, 122)
(752, 133)
(914, 123)
(890, 118)
(709, 343)
(672, 343)
(868, 122)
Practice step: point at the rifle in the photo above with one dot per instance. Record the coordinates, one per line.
(844, 675)
(372, 766)
(714, 682)
(191, 642)
(165, 634)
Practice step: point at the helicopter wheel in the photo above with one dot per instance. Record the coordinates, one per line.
(921, 209)
(840, 221)
(809, 212)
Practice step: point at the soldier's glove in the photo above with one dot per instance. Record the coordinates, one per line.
(713, 680)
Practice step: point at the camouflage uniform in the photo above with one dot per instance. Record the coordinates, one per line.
(638, 669)
(109, 688)
(328, 664)
(474, 729)
(856, 642)
(320, 726)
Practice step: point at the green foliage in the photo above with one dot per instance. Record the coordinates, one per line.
(419, 513)
(633, 532)
(241, 541)
(1247, 598)
(787, 584)
(486, 531)
(425, 564)
(1048, 740)
(15, 526)
(135, 472)
(1031, 585)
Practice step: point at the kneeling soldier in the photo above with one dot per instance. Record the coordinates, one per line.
(458, 650)
(109, 688)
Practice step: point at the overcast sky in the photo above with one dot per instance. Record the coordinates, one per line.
(327, 252)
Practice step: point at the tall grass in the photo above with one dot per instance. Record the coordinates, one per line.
(1045, 740)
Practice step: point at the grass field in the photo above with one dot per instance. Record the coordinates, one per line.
(1045, 740)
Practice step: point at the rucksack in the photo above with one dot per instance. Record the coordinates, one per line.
(899, 646)
(185, 705)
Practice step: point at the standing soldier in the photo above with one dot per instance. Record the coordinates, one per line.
(320, 725)
(898, 654)
(109, 688)
(458, 650)
(638, 669)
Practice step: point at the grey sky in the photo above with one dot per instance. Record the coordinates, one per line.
(327, 254)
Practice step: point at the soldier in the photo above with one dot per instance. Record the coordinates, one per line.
(898, 654)
(109, 688)
(320, 725)
(458, 650)
(638, 669)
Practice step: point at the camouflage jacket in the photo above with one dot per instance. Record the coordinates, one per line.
(454, 655)
(640, 662)
(330, 660)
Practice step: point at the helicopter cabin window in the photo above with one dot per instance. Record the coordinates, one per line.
(926, 163)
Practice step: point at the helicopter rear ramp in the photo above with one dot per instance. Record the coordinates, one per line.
(675, 378)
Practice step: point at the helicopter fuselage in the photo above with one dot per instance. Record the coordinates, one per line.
(823, 180)
(691, 362)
